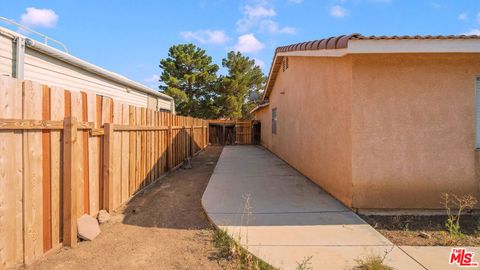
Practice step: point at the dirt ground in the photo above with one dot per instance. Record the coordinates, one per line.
(426, 230)
(164, 227)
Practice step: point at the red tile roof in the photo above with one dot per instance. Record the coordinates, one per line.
(341, 42)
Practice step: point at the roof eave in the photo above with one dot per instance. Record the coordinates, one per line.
(258, 107)
(364, 45)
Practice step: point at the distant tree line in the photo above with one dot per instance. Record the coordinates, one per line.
(190, 77)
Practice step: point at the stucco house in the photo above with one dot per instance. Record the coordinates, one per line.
(379, 122)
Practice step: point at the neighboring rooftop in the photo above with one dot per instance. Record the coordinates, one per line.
(70, 59)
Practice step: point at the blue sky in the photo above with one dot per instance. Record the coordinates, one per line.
(130, 37)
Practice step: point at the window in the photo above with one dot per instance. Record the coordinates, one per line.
(274, 120)
(477, 113)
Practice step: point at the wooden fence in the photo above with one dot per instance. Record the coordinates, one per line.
(225, 132)
(64, 154)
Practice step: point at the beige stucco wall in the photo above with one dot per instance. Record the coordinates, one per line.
(413, 129)
(379, 131)
(313, 127)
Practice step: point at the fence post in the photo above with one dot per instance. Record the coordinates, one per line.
(108, 166)
(223, 134)
(70, 180)
(202, 136)
(170, 144)
(207, 133)
(192, 139)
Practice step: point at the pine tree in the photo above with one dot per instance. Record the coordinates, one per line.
(189, 76)
(240, 88)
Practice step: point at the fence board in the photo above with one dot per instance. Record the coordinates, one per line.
(155, 146)
(47, 184)
(106, 117)
(125, 155)
(138, 156)
(152, 144)
(117, 158)
(85, 163)
(163, 122)
(148, 148)
(77, 112)
(32, 176)
(57, 112)
(132, 152)
(99, 124)
(153, 150)
(11, 241)
(108, 166)
(94, 157)
(143, 149)
(70, 179)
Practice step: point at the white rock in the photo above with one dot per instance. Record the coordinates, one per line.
(87, 227)
(103, 216)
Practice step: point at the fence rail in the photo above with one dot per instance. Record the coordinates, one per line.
(65, 153)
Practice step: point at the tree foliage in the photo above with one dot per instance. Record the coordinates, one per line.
(240, 88)
(189, 76)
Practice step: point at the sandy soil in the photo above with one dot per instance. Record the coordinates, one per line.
(164, 227)
(425, 230)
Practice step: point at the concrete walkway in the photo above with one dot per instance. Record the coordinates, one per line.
(283, 218)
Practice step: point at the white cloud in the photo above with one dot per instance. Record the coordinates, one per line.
(463, 16)
(259, 12)
(152, 79)
(261, 17)
(473, 32)
(295, 1)
(248, 43)
(259, 62)
(338, 12)
(273, 27)
(206, 36)
(39, 17)
(252, 16)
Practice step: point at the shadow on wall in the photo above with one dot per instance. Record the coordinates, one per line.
(174, 202)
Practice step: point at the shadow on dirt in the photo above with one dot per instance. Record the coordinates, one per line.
(175, 200)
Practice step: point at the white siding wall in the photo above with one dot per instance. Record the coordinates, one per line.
(46, 69)
(6, 53)
(164, 104)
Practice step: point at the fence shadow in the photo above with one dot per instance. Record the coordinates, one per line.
(174, 201)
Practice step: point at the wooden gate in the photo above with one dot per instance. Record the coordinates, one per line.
(243, 132)
(228, 132)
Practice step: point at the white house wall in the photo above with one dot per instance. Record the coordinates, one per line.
(45, 69)
(6, 53)
(51, 71)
